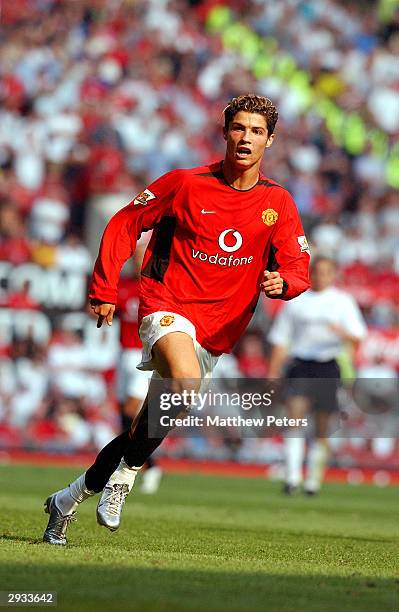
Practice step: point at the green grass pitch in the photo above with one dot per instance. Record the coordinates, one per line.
(207, 543)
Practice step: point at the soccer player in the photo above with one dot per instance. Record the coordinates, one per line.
(132, 385)
(222, 233)
(311, 332)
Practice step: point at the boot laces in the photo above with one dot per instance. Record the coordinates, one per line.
(117, 498)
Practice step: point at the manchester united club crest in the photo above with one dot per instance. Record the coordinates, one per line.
(269, 216)
(144, 197)
(166, 320)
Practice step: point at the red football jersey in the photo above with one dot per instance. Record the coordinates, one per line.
(210, 246)
(128, 310)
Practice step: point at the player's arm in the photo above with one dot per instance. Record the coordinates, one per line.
(278, 358)
(287, 274)
(280, 338)
(345, 336)
(120, 236)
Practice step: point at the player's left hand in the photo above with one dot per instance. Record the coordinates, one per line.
(273, 284)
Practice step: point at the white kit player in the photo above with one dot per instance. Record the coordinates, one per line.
(307, 337)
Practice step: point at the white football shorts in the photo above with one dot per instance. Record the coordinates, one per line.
(159, 324)
(130, 382)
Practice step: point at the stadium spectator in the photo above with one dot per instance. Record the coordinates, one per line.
(14, 245)
(73, 256)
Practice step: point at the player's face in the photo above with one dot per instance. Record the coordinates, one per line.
(322, 275)
(247, 138)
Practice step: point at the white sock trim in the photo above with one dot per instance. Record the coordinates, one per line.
(124, 474)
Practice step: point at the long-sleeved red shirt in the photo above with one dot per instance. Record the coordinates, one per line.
(210, 246)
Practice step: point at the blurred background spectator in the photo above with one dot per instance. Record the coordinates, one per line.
(99, 97)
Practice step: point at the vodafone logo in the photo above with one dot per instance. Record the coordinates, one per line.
(236, 235)
(234, 239)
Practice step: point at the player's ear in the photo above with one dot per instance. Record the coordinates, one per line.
(224, 133)
(269, 141)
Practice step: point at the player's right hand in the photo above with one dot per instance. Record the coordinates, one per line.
(103, 311)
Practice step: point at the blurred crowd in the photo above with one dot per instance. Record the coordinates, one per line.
(100, 97)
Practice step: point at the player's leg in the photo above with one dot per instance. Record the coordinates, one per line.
(177, 360)
(62, 505)
(151, 476)
(174, 358)
(318, 454)
(325, 404)
(151, 473)
(133, 392)
(112, 472)
(294, 444)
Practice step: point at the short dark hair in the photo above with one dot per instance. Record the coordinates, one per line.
(252, 103)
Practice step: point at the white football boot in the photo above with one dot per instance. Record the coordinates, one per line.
(113, 497)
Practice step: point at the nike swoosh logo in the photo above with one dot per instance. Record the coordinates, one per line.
(208, 212)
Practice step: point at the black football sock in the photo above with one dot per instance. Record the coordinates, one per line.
(106, 463)
(140, 446)
(126, 422)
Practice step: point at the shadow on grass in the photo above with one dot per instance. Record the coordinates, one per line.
(101, 585)
(13, 538)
